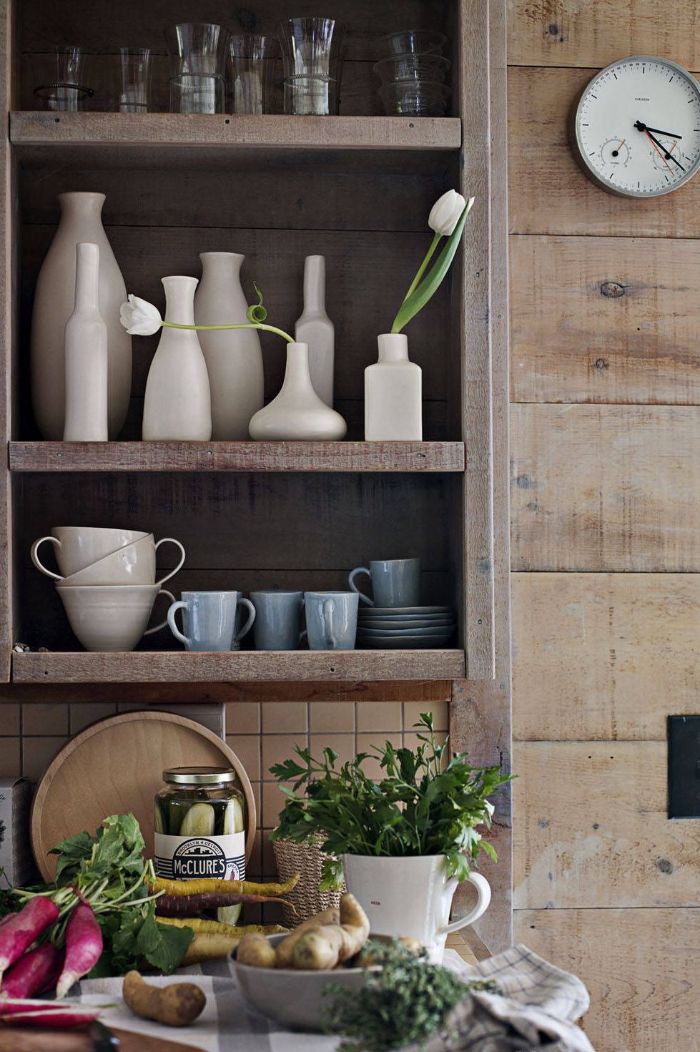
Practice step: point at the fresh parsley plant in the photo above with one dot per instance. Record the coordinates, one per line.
(422, 806)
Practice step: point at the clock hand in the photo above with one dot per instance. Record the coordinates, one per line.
(666, 155)
(645, 127)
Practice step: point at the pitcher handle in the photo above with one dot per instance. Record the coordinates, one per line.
(483, 890)
(157, 628)
(171, 540)
(179, 605)
(351, 581)
(249, 623)
(36, 560)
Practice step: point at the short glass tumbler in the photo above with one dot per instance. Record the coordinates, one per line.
(65, 89)
(311, 96)
(250, 73)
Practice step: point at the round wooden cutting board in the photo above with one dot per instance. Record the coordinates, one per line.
(116, 766)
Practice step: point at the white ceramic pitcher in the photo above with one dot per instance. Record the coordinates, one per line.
(411, 896)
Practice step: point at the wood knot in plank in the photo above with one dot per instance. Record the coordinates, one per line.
(612, 289)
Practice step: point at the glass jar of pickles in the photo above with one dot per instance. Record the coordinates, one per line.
(200, 825)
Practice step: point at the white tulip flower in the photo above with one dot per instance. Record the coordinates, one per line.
(139, 317)
(445, 213)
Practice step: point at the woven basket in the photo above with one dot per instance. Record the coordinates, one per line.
(306, 860)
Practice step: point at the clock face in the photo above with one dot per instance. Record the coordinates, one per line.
(637, 127)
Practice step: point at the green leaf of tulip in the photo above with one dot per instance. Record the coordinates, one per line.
(426, 289)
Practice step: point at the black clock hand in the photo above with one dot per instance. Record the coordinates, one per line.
(668, 156)
(645, 127)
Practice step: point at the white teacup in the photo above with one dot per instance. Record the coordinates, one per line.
(133, 564)
(79, 546)
(111, 617)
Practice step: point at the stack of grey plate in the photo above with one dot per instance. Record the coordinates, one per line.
(406, 627)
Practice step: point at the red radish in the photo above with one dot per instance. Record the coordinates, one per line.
(12, 1005)
(83, 947)
(56, 1019)
(20, 931)
(34, 972)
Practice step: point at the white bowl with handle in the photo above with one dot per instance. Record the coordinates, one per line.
(111, 617)
(133, 564)
(79, 546)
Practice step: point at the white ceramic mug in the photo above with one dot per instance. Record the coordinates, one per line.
(79, 546)
(411, 896)
(113, 617)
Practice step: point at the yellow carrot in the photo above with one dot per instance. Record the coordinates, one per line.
(208, 947)
(218, 887)
(212, 927)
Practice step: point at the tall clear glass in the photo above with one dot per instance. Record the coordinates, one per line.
(250, 73)
(198, 52)
(135, 79)
(311, 47)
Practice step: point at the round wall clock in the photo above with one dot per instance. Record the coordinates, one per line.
(637, 127)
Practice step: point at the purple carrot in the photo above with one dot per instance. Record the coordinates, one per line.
(19, 932)
(83, 947)
(193, 905)
(35, 971)
(55, 1018)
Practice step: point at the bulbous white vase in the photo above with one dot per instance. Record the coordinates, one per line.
(297, 413)
(393, 400)
(54, 300)
(234, 357)
(177, 406)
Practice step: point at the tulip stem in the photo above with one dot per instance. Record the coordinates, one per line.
(421, 270)
(242, 325)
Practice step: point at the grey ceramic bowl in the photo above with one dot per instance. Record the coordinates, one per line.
(292, 997)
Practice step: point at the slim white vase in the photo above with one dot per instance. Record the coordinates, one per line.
(54, 299)
(177, 405)
(297, 413)
(393, 401)
(86, 355)
(234, 357)
(316, 328)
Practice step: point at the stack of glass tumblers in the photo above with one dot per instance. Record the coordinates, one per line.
(412, 70)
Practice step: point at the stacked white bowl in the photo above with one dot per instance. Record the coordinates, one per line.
(412, 70)
(107, 582)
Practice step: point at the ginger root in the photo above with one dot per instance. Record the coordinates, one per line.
(176, 1005)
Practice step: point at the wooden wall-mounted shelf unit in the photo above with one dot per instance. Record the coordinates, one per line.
(356, 188)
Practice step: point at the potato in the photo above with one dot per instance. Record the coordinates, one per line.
(256, 950)
(285, 949)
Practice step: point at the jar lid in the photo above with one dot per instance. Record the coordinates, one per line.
(199, 775)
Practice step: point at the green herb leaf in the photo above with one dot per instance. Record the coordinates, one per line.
(162, 945)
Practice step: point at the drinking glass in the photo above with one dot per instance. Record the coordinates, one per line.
(135, 79)
(66, 89)
(312, 64)
(197, 67)
(250, 73)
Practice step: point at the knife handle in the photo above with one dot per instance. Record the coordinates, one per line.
(12, 1039)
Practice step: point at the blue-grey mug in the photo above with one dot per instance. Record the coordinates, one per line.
(277, 619)
(209, 620)
(331, 620)
(395, 582)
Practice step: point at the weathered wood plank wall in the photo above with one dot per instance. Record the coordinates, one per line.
(605, 498)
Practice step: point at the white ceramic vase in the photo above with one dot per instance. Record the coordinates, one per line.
(411, 896)
(393, 396)
(177, 405)
(54, 300)
(234, 357)
(315, 328)
(86, 354)
(297, 413)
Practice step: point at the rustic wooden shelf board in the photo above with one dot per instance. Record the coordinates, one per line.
(36, 128)
(179, 666)
(238, 456)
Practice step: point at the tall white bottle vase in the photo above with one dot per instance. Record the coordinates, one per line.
(86, 356)
(393, 406)
(234, 357)
(54, 300)
(297, 413)
(315, 328)
(177, 405)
